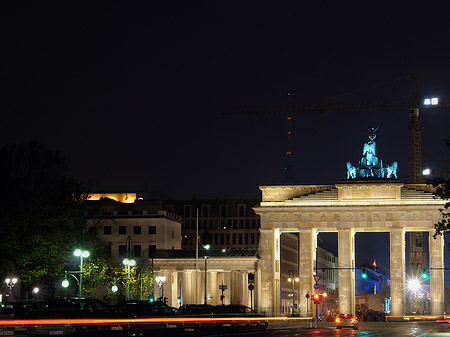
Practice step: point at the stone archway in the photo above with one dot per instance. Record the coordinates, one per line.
(347, 207)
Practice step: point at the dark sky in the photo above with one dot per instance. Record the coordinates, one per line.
(132, 94)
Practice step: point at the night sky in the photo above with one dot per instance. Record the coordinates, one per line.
(133, 95)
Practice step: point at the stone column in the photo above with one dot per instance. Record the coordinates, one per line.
(187, 290)
(305, 274)
(228, 293)
(173, 288)
(239, 291)
(346, 272)
(213, 288)
(397, 253)
(436, 263)
(269, 264)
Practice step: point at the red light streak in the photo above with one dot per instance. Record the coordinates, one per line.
(63, 321)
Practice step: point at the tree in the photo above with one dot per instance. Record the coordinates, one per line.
(443, 192)
(41, 213)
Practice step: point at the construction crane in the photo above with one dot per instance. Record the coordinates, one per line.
(415, 129)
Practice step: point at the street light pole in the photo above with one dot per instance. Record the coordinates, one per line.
(293, 278)
(160, 280)
(129, 263)
(81, 254)
(10, 283)
(206, 270)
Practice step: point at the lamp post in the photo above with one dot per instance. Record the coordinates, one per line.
(160, 280)
(206, 270)
(82, 254)
(414, 287)
(35, 293)
(10, 283)
(129, 263)
(293, 278)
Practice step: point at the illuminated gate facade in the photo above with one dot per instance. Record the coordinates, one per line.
(379, 205)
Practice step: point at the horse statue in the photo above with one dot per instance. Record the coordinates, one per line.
(351, 171)
(391, 170)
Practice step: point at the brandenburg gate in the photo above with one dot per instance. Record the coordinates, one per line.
(371, 199)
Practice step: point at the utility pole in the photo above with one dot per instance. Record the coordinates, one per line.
(196, 261)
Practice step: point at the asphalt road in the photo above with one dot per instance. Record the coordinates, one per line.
(365, 329)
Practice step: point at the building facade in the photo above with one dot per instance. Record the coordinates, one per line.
(346, 208)
(133, 228)
(223, 224)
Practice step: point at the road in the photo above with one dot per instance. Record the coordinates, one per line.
(365, 329)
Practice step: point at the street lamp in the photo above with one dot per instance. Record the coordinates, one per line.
(129, 263)
(114, 288)
(293, 278)
(35, 292)
(206, 270)
(82, 254)
(160, 280)
(10, 283)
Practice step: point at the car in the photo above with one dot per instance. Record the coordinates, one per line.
(225, 317)
(134, 309)
(346, 321)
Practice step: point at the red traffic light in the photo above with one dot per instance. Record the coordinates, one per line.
(316, 298)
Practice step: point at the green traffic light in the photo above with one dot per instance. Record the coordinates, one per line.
(424, 273)
(363, 273)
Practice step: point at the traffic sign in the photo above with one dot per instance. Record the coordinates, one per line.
(222, 286)
(307, 295)
(316, 286)
(251, 286)
(317, 278)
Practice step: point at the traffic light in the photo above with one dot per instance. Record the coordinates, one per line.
(151, 300)
(179, 300)
(251, 278)
(425, 273)
(363, 273)
(316, 298)
(165, 299)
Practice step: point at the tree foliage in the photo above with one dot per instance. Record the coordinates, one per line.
(41, 213)
(141, 281)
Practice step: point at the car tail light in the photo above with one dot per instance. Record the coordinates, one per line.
(337, 320)
(353, 320)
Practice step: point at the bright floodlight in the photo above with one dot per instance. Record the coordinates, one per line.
(160, 279)
(426, 172)
(82, 253)
(114, 288)
(35, 290)
(129, 262)
(431, 101)
(65, 283)
(414, 284)
(289, 279)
